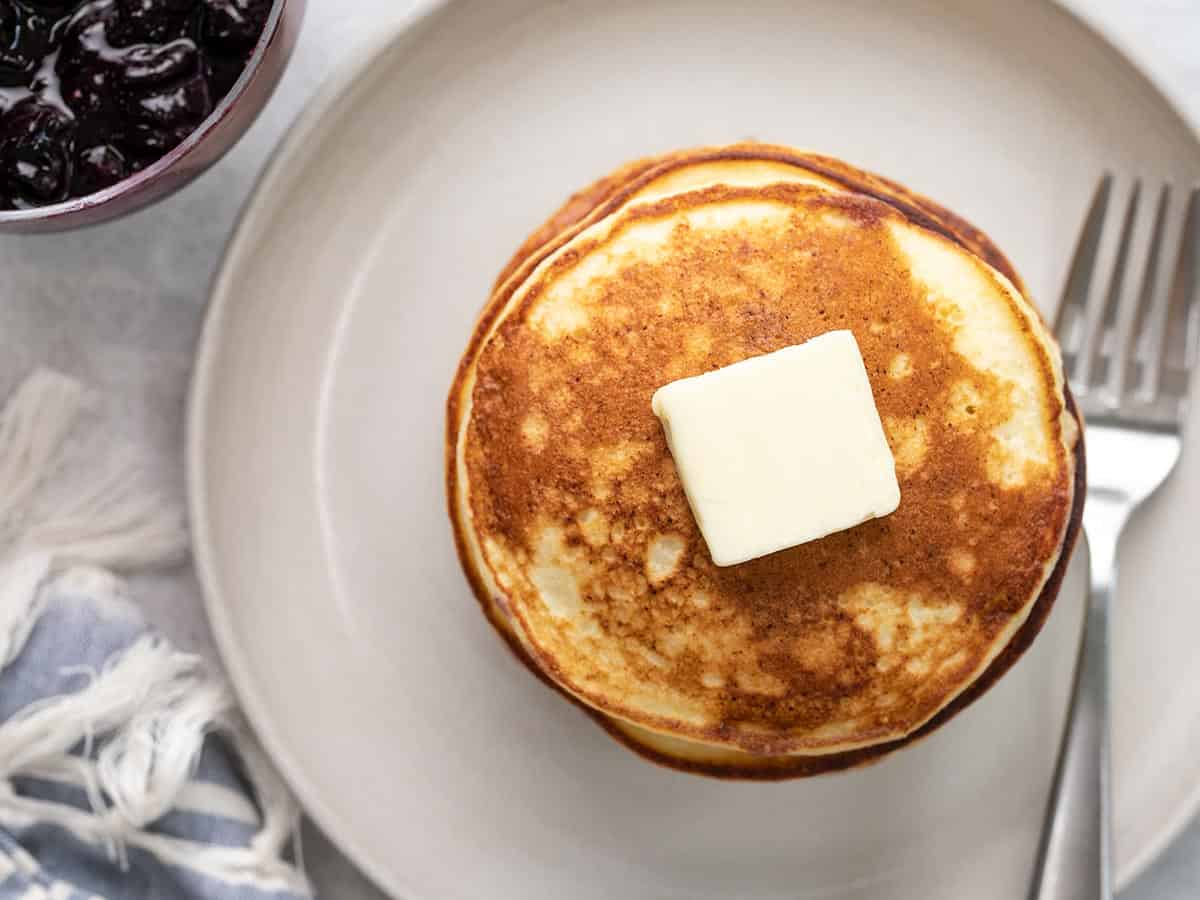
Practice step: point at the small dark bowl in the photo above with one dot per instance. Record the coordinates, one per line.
(208, 143)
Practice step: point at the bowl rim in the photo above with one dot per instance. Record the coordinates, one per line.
(140, 180)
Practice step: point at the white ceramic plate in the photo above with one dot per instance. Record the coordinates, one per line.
(406, 727)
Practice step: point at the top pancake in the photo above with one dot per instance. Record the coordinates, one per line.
(567, 498)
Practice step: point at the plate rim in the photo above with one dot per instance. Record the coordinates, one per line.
(310, 120)
(251, 704)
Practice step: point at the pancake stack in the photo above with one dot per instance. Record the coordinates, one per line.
(575, 532)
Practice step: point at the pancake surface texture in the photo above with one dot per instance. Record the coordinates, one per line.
(575, 530)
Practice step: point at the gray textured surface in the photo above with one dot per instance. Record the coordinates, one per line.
(121, 306)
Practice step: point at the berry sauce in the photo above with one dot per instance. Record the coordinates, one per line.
(92, 91)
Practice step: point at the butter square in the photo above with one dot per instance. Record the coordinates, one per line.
(781, 449)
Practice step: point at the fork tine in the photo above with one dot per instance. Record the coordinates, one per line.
(1152, 346)
(1143, 245)
(1181, 325)
(1191, 250)
(1069, 320)
(1106, 281)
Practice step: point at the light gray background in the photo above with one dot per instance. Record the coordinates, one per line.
(121, 307)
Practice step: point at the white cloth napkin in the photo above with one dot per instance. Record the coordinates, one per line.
(125, 772)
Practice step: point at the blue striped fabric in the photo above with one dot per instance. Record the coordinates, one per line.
(54, 841)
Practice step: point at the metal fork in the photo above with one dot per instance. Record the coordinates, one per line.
(1129, 326)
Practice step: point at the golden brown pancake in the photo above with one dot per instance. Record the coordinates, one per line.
(811, 659)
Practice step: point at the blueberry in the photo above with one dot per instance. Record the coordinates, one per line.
(183, 102)
(233, 24)
(148, 64)
(84, 38)
(152, 21)
(86, 72)
(35, 152)
(224, 71)
(98, 167)
(147, 142)
(24, 41)
(89, 95)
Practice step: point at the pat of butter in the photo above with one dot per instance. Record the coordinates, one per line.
(781, 449)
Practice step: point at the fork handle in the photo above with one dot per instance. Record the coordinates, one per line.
(1075, 858)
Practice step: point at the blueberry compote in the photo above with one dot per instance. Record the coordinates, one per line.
(94, 90)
